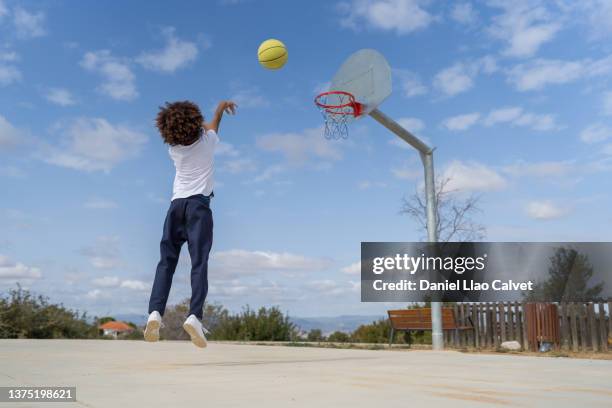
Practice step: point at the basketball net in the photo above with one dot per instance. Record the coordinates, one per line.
(337, 108)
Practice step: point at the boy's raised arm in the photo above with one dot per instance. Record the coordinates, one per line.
(223, 107)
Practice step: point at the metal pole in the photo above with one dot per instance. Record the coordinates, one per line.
(426, 153)
(437, 338)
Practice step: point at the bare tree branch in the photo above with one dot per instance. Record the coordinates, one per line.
(454, 214)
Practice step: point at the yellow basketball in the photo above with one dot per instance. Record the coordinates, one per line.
(272, 54)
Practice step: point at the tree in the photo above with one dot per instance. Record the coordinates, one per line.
(376, 332)
(339, 337)
(24, 315)
(315, 335)
(174, 317)
(105, 319)
(265, 324)
(569, 274)
(454, 214)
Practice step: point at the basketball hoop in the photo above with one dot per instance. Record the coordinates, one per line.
(337, 108)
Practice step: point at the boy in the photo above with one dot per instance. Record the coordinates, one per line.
(189, 218)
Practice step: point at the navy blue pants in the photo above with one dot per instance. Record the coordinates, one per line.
(188, 219)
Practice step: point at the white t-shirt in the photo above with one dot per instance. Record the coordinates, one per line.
(194, 166)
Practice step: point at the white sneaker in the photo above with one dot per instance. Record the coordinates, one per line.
(154, 322)
(194, 328)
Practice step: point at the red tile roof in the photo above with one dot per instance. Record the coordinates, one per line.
(116, 326)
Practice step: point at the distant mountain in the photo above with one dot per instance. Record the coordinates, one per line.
(346, 323)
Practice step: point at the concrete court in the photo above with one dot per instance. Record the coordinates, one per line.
(176, 374)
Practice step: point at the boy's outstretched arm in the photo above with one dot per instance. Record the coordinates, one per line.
(223, 107)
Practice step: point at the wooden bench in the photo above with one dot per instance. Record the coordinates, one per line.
(408, 320)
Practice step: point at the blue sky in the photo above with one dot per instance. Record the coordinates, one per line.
(517, 100)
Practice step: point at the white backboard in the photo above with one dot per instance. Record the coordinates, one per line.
(365, 74)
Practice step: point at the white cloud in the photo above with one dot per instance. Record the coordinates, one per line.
(352, 269)
(410, 83)
(115, 282)
(9, 56)
(367, 184)
(595, 133)
(464, 13)
(537, 74)
(268, 173)
(226, 149)
(95, 294)
(454, 80)
(239, 165)
(524, 25)
(231, 289)
(472, 177)
(106, 281)
(299, 148)
(407, 172)
(240, 262)
(231, 161)
(134, 285)
(10, 136)
(28, 25)
(503, 115)
(537, 122)
(100, 204)
(328, 287)
(545, 210)
(513, 115)
(518, 117)
(400, 16)
(9, 74)
(175, 55)
(104, 254)
(60, 96)
(460, 76)
(250, 97)
(414, 125)
(607, 103)
(8, 71)
(461, 122)
(598, 15)
(92, 144)
(232, 2)
(16, 271)
(541, 169)
(118, 77)
(3, 9)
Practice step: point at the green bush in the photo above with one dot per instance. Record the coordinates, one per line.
(23, 315)
(105, 319)
(265, 324)
(339, 337)
(315, 335)
(375, 332)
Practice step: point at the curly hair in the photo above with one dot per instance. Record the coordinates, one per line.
(180, 123)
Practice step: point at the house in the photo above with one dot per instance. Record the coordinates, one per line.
(114, 328)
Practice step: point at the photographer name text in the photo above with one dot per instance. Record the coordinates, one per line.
(466, 285)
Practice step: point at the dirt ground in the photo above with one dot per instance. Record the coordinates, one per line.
(176, 374)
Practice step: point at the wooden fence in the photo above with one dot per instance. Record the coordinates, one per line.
(582, 326)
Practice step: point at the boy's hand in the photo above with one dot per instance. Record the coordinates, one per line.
(229, 107)
(223, 107)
